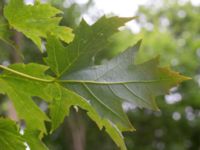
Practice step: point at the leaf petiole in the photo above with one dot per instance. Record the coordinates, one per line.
(25, 75)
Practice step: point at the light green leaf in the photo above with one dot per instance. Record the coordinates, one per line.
(24, 105)
(33, 140)
(88, 41)
(32, 72)
(10, 139)
(21, 90)
(20, 83)
(36, 21)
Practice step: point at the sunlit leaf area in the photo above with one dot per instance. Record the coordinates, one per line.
(99, 75)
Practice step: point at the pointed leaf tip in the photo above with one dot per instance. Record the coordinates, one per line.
(176, 75)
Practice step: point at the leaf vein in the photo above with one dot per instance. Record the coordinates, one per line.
(93, 95)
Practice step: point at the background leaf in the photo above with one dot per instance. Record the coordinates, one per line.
(36, 21)
(33, 138)
(10, 139)
(4, 31)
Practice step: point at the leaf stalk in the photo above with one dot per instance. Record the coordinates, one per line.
(25, 75)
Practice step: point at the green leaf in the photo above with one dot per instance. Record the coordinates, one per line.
(10, 139)
(89, 40)
(146, 80)
(31, 72)
(20, 84)
(119, 42)
(57, 55)
(24, 105)
(107, 86)
(100, 90)
(65, 98)
(5, 32)
(33, 139)
(21, 90)
(36, 21)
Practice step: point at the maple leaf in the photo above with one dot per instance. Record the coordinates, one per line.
(89, 40)
(107, 86)
(33, 139)
(36, 21)
(101, 90)
(19, 82)
(21, 90)
(10, 138)
(64, 99)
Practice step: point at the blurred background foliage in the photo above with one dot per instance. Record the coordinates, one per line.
(170, 29)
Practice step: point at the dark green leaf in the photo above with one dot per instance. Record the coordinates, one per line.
(57, 55)
(65, 98)
(107, 86)
(89, 40)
